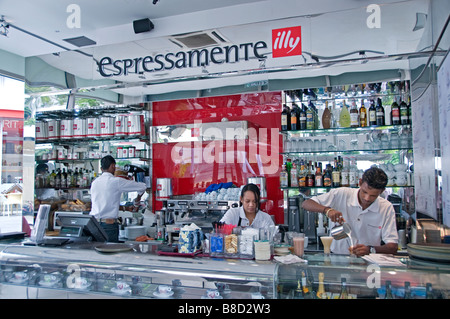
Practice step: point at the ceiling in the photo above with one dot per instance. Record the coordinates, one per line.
(331, 30)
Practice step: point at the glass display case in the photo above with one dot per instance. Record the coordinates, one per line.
(348, 277)
(139, 272)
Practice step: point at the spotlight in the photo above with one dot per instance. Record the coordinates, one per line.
(155, 1)
(4, 27)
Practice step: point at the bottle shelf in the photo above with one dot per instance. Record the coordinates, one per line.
(349, 130)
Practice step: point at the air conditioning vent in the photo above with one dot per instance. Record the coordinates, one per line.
(198, 39)
(80, 41)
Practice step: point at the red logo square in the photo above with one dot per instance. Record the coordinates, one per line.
(287, 42)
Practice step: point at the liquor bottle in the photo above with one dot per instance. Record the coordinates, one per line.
(294, 118)
(80, 179)
(327, 176)
(395, 113)
(429, 291)
(404, 119)
(64, 178)
(336, 175)
(408, 294)
(318, 178)
(58, 179)
(53, 179)
(288, 169)
(409, 110)
(353, 173)
(298, 293)
(344, 293)
(301, 174)
(380, 113)
(75, 178)
(321, 293)
(362, 114)
(307, 287)
(311, 175)
(345, 181)
(344, 116)
(388, 294)
(372, 114)
(354, 115)
(310, 116)
(284, 119)
(326, 117)
(302, 117)
(294, 175)
(335, 112)
(284, 176)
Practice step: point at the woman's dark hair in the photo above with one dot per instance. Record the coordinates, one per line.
(375, 178)
(107, 161)
(252, 188)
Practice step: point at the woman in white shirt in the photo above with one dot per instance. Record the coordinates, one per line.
(248, 214)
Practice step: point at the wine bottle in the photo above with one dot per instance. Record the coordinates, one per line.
(354, 115)
(344, 116)
(362, 114)
(372, 114)
(302, 117)
(388, 294)
(284, 118)
(404, 113)
(395, 113)
(310, 117)
(344, 293)
(294, 118)
(380, 113)
(326, 117)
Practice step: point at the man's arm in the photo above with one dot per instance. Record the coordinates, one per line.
(333, 214)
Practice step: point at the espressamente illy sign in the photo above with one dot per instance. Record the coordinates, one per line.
(285, 40)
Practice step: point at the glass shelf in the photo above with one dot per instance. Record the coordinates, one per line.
(349, 130)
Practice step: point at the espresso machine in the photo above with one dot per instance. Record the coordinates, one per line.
(184, 210)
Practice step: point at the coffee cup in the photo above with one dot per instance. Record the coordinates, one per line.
(20, 275)
(212, 293)
(122, 286)
(257, 295)
(164, 289)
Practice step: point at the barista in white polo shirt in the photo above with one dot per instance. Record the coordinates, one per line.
(371, 217)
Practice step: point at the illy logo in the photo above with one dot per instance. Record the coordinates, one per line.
(286, 42)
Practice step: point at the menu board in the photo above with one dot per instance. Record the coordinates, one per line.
(443, 78)
(424, 141)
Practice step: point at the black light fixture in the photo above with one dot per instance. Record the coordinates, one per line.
(143, 25)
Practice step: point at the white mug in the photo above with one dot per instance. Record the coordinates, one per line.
(164, 289)
(212, 293)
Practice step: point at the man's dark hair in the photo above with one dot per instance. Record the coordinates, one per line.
(253, 188)
(375, 178)
(107, 161)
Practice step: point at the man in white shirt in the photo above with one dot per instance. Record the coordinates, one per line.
(371, 217)
(105, 195)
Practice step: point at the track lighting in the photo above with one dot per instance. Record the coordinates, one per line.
(4, 27)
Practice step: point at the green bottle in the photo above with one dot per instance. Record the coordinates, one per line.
(344, 116)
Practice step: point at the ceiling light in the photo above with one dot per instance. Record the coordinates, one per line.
(4, 27)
